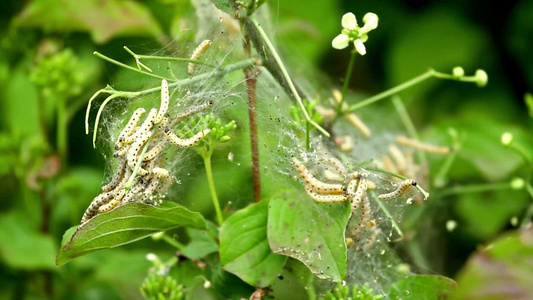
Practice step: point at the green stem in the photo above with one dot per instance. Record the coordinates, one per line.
(529, 213)
(307, 136)
(440, 179)
(62, 129)
(346, 81)
(474, 188)
(430, 73)
(408, 123)
(129, 67)
(522, 152)
(172, 242)
(277, 58)
(138, 57)
(214, 197)
(387, 213)
(137, 167)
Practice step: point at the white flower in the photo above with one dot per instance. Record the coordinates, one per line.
(351, 32)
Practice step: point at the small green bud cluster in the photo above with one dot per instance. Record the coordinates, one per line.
(58, 75)
(341, 292)
(298, 116)
(160, 287)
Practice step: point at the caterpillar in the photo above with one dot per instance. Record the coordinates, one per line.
(153, 151)
(186, 143)
(316, 185)
(134, 151)
(402, 140)
(325, 198)
(191, 111)
(354, 120)
(130, 127)
(336, 164)
(357, 190)
(119, 174)
(198, 53)
(113, 203)
(165, 99)
(98, 201)
(399, 191)
(364, 218)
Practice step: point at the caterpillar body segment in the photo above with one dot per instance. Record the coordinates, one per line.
(117, 177)
(133, 152)
(399, 191)
(402, 140)
(325, 198)
(98, 201)
(165, 100)
(113, 203)
(316, 185)
(130, 127)
(192, 110)
(197, 54)
(186, 143)
(153, 152)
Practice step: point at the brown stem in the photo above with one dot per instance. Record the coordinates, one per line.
(251, 83)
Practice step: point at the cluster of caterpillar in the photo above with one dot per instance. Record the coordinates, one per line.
(355, 191)
(139, 175)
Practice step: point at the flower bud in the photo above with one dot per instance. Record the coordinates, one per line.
(507, 139)
(458, 72)
(482, 78)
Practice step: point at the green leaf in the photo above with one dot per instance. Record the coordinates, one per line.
(244, 248)
(103, 20)
(310, 232)
(229, 285)
(224, 6)
(503, 270)
(201, 244)
(24, 248)
(124, 225)
(422, 287)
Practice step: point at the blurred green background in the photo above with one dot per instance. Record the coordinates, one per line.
(49, 170)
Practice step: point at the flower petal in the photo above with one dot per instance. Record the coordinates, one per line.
(359, 46)
(348, 21)
(340, 41)
(371, 23)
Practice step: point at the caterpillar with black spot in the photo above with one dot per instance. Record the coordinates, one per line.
(316, 185)
(399, 191)
(186, 143)
(198, 53)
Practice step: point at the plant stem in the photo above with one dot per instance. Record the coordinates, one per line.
(430, 73)
(346, 81)
(172, 241)
(292, 88)
(474, 188)
(408, 123)
(214, 197)
(129, 67)
(137, 167)
(166, 58)
(529, 212)
(251, 83)
(387, 213)
(62, 130)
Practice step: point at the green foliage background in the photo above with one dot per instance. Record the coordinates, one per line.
(48, 73)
